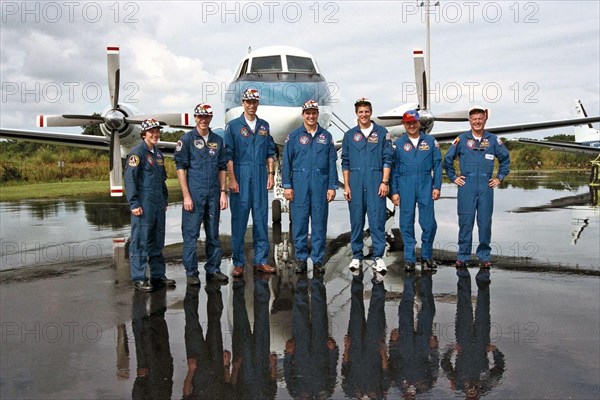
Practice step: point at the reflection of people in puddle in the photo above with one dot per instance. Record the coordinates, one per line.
(414, 355)
(365, 360)
(208, 364)
(471, 372)
(310, 364)
(254, 370)
(154, 378)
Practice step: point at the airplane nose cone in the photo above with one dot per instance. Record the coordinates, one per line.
(114, 119)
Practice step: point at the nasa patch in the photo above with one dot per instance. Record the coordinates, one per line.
(407, 147)
(133, 161)
(485, 143)
(304, 139)
(471, 143)
(321, 139)
(263, 131)
(423, 146)
(212, 152)
(179, 145)
(358, 137)
(245, 132)
(199, 143)
(150, 159)
(373, 138)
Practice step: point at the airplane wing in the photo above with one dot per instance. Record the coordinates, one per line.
(167, 148)
(518, 128)
(73, 139)
(67, 139)
(564, 146)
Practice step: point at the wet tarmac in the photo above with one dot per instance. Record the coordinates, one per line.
(80, 331)
(74, 328)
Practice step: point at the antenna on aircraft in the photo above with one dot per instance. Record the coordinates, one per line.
(249, 49)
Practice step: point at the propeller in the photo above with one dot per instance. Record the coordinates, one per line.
(115, 121)
(427, 118)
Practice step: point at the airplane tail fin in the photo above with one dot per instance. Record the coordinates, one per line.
(584, 134)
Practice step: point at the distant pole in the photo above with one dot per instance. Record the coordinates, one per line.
(426, 4)
(428, 44)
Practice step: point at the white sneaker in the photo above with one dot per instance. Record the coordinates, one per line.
(379, 265)
(377, 277)
(355, 266)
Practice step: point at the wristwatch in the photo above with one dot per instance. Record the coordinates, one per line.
(387, 183)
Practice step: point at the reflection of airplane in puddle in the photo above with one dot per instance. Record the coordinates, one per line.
(584, 206)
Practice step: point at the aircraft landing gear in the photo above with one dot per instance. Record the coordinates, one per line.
(280, 204)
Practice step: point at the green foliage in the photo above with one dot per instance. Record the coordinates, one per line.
(171, 136)
(93, 130)
(561, 138)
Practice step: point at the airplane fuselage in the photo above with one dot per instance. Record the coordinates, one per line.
(286, 78)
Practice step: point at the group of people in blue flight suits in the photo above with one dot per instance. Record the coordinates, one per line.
(241, 164)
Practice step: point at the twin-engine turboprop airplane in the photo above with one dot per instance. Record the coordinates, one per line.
(286, 77)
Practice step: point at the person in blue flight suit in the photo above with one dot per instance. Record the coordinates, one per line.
(254, 366)
(154, 372)
(367, 158)
(309, 177)
(311, 355)
(365, 362)
(417, 179)
(201, 169)
(476, 151)
(208, 375)
(414, 353)
(147, 193)
(467, 363)
(250, 153)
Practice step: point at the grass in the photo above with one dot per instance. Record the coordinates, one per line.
(60, 189)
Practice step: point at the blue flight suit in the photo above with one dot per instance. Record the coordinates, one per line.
(365, 158)
(145, 186)
(417, 171)
(249, 152)
(476, 162)
(309, 168)
(203, 160)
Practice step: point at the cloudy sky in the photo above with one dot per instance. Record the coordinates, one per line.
(525, 60)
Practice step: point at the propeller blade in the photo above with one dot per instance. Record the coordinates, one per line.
(183, 120)
(114, 72)
(420, 78)
(454, 116)
(116, 167)
(43, 121)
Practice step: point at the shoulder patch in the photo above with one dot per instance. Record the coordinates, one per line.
(435, 142)
(456, 141)
(500, 141)
(133, 161)
(179, 145)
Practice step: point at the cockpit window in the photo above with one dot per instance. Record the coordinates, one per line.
(244, 69)
(266, 64)
(300, 64)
